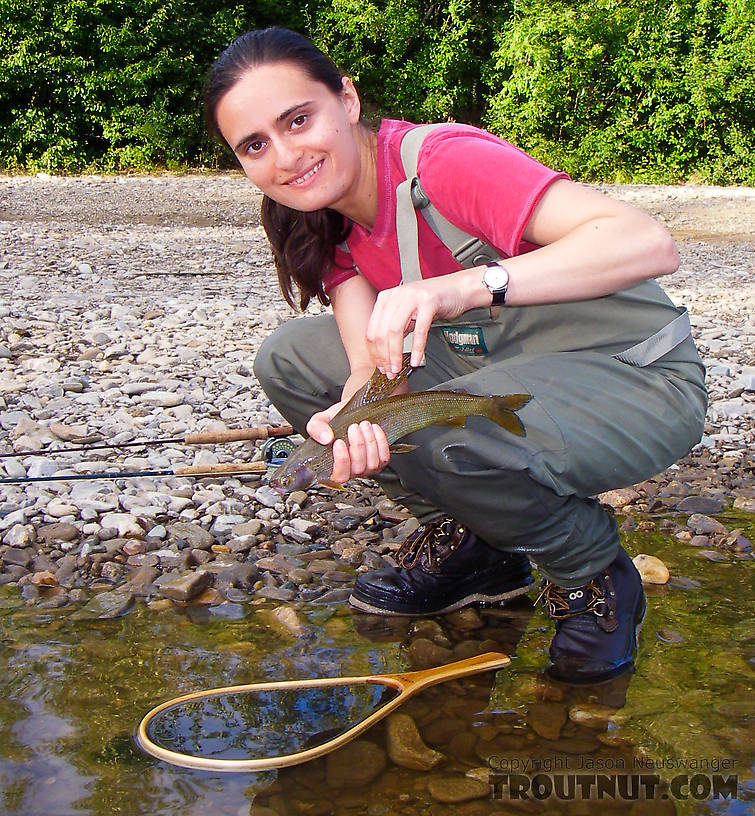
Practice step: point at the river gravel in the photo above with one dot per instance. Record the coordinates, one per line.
(132, 308)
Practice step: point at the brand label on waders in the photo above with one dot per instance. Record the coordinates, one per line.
(468, 340)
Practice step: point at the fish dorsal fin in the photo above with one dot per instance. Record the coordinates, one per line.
(379, 386)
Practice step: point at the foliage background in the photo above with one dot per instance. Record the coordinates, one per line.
(612, 90)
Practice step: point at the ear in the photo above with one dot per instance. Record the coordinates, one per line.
(350, 99)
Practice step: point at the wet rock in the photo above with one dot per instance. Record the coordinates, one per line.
(713, 555)
(547, 719)
(703, 525)
(356, 765)
(185, 586)
(442, 730)
(424, 654)
(405, 746)
(465, 619)
(652, 570)
(744, 503)
(455, 789)
(598, 717)
(289, 620)
(705, 505)
(669, 636)
(111, 604)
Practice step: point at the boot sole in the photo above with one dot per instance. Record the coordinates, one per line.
(468, 600)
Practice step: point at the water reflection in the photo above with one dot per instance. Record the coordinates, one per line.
(73, 692)
(262, 724)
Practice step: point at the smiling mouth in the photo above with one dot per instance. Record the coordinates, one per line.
(307, 176)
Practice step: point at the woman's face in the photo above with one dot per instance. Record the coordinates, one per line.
(294, 137)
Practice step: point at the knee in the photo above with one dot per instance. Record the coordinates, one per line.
(276, 353)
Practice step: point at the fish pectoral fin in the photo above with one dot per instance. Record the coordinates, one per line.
(402, 447)
(330, 484)
(454, 422)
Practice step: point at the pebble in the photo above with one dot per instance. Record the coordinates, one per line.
(288, 619)
(702, 525)
(405, 745)
(186, 586)
(106, 605)
(652, 570)
(124, 524)
(81, 361)
(456, 789)
(356, 765)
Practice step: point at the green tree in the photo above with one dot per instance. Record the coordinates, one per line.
(115, 83)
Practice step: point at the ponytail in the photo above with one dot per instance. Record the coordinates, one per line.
(303, 245)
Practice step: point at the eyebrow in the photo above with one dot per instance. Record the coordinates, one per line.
(280, 118)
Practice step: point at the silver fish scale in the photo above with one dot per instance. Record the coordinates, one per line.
(402, 414)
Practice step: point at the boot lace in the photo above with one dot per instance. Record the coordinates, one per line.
(430, 544)
(557, 600)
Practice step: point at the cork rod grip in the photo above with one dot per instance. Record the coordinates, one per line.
(237, 435)
(212, 470)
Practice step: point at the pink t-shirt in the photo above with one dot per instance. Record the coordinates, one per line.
(482, 184)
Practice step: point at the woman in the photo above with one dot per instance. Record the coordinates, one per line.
(569, 315)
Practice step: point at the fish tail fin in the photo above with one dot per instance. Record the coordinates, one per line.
(502, 412)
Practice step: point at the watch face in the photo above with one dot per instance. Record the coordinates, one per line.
(496, 278)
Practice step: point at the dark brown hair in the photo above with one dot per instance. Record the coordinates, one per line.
(303, 243)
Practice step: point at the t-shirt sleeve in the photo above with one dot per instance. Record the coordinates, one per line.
(484, 185)
(340, 270)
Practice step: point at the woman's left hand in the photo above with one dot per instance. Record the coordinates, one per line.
(367, 452)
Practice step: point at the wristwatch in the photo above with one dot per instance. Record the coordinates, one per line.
(496, 278)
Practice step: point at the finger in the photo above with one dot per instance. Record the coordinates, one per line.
(357, 449)
(319, 428)
(371, 448)
(341, 462)
(422, 324)
(384, 448)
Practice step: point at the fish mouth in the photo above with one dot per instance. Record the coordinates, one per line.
(305, 177)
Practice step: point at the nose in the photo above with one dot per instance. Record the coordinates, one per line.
(287, 155)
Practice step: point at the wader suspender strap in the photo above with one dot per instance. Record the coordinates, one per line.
(472, 251)
(467, 249)
(658, 344)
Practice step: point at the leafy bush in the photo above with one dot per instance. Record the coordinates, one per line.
(605, 89)
(114, 83)
(629, 90)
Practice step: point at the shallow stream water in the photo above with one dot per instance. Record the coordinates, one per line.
(74, 691)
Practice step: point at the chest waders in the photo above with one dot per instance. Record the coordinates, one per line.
(617, 389)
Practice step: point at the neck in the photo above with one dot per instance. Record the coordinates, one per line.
(361, 206)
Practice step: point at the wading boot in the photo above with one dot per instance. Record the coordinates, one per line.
(596, 624)
(442, 566)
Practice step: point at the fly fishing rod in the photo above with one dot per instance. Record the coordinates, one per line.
(203, 438)
(226, 469)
